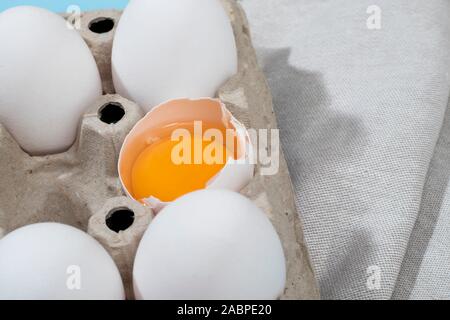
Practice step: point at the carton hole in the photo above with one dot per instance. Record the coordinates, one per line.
(111, 113)
(119, 219)
(101, 25)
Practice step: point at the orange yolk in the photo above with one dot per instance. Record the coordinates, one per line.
(155, 174)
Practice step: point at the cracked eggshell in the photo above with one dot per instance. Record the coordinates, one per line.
(48, 77)
(166, 49)
(236, 173)
(52, 261)
(210, 244)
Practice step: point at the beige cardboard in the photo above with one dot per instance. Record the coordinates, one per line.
(81, 187)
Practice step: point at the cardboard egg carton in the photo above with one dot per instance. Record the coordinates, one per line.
(81, 187)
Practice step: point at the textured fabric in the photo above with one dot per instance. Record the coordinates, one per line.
(360, 113)
(425, 273)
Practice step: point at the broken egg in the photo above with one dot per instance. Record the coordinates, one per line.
(53, 261)
(210, 244)
(48, 77)
(185, 145)
(165, 49)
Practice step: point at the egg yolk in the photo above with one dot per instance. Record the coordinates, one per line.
(154, 173)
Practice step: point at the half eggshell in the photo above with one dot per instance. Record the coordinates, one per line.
(235, 175)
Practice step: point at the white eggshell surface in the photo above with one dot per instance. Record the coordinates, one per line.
(51, 261)
(48, 77)
(210, 244)
(167, 49)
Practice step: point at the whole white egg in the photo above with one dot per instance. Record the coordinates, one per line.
(51, 261)
(48, 77)
(210, 244)
(167, 49)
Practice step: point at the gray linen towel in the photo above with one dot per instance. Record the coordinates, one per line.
(361, 112)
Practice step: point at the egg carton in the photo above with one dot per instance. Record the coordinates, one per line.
(81, 187)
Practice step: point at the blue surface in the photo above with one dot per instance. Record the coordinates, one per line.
(62, 5)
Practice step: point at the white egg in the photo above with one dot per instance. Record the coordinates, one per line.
(48, 77)
(52, 261)
(166, 49)
(210, 244)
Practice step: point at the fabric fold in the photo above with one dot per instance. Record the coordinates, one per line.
(360, 112)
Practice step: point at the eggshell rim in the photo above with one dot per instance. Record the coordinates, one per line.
(242, 132)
